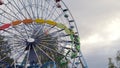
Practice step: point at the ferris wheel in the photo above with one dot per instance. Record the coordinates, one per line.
(38, 34)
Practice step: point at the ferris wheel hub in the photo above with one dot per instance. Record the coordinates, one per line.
(30, 40)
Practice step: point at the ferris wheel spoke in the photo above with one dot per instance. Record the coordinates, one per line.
(18, 56)
(48, 30)
(31, 9)
(20, 32)
(44, 33)
(17, 52)
(1, 23)
(3, 58)
(59, 16)
(38, 31)
(32, 25)
(13, 33)
(55, 32)
(2, 48)
(51, 12)
(68, 48)
(35, 26)
(9, 37)
(65, 35)
(16, 44)
(11, 11)
(8, 31)
(73, 65)
(27, 59)
(54, 15)
(37, 2)
(15, 60)
(30, 29)
(25, 29)
(58, 45)
(21, 35)
(37, 56)
(49, 38)
(17, 47)
(16, 7)
(51, 49)
(45, 53)
(54, 51)
(48, 6)
(46, 43)
(46, 39)
(6, 17)
(45, 9)
(22, 3)
(37, 5)
(64, 41)
(7, 13)
(41, 9)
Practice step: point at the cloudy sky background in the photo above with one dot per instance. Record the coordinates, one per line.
(99, 27)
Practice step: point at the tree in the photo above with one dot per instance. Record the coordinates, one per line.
(111, 64)
(4, 51)
(117, 58)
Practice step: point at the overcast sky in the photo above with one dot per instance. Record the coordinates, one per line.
(99, 27)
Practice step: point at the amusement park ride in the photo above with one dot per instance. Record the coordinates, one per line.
(38, 34)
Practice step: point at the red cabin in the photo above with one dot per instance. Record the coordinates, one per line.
(4, 26)
(1, 2)
(57, 1)
(58, 5)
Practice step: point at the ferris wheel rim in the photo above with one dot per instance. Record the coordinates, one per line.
(62, 27)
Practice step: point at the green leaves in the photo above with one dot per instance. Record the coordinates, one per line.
(4, 50)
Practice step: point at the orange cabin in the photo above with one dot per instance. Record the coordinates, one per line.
(27, 21)
(14, 23)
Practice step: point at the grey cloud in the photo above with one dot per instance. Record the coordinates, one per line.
(98, 58)
(91, 17)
